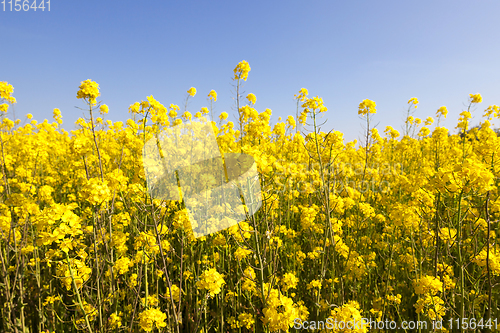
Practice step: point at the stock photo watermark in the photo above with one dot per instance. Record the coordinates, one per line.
(362, 323)
(184, 163)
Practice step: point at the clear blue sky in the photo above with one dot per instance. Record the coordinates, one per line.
(343, 51)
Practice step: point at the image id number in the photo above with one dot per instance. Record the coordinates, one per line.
(25, 5)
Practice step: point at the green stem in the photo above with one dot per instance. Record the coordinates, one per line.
(78, 294)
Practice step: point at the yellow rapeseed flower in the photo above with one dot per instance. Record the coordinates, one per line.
(192, 91)
(212, 95)
(367, 106)
(476, 98)
(88, 90)
(251, 98)
(241, 70)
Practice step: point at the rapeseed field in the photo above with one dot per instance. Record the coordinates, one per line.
(398, 226)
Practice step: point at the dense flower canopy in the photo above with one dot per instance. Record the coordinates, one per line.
(402, 226)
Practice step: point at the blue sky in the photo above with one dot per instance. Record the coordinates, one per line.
(343, 51)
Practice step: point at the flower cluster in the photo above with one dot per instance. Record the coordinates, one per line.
(241, 70)
(150, 318)
(88, 90)
(366, 107)
(211, 281)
